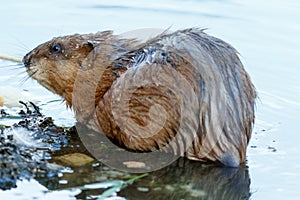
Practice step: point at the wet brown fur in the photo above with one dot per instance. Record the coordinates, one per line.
(211, 112)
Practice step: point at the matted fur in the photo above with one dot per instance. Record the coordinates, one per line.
(185, 85)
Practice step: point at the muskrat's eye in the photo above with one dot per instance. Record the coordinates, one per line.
(56, 48)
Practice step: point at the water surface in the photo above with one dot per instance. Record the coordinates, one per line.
(266, 33)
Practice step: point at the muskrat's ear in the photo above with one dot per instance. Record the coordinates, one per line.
(89, 45)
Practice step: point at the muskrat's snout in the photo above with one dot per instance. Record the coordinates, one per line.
(27, 60)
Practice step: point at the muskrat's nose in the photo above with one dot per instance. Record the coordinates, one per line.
(27, 60)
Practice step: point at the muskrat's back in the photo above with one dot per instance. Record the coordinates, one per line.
(184, 92)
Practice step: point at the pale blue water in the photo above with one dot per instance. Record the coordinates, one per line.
(266, 33)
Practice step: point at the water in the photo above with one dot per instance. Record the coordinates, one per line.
(266, 33)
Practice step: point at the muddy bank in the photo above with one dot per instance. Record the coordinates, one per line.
(25, 146)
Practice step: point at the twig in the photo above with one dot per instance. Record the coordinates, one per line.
(28, 111)
(10, 59)
(36, 108)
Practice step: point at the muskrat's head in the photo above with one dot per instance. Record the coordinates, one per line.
(54, 64)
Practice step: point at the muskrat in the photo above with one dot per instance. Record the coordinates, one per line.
(186, 85)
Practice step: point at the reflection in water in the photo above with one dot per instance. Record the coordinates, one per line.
(183, 179)
(186, 179)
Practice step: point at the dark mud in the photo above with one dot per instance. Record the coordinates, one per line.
(19, 160)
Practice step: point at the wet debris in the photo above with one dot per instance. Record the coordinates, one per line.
(272, 149)
(20, 156)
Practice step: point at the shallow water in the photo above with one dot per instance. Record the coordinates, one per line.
(266, 33)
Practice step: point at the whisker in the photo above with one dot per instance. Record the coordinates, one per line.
(28, 76)
(20, 50)
(13, 66)
(33, 73)
(17, 68)
(14, 77)
(8, 66)
(21, 44)
(20, 73)
(23, 81)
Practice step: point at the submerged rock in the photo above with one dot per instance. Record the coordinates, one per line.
(74, 159)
